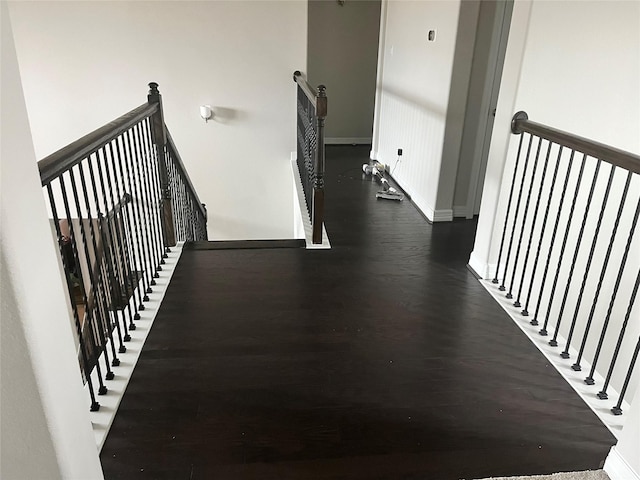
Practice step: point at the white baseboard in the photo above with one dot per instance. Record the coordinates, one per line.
(304, 217)
(443, 215)
(617, 467)
(460, 211)
(347, 140)
(483, 269)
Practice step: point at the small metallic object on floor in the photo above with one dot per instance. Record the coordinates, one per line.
(387, 192)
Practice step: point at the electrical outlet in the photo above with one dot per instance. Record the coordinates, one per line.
(399, 152)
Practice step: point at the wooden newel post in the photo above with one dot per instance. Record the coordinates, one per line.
(317, 216)
(159, 137)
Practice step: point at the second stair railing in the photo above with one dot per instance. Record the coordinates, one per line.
(311, 114)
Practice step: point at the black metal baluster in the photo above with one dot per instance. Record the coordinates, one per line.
(114, 250)
(90, 309)
(203, 223)
(565, 353)
(589, 380)
(107, 257)
(102, 389)
(145, 207)
(554, 341)
(174, 185)
(95, 406)
(617, 409)
(102, 291)
(131, 240)
(133, 181)
(118, 200)
(192, 218)
(533, 226)
(164, 189)
(576, 366)
(534, 320)
(524, 221)
(146, 159)
(134, 281)
(181, 206)
(506, 218)
(186, 212)
(602, 394)
(153, 188)
(154, 178)
(564, 245)
(172, 189)
(515, 217)
(177, 198)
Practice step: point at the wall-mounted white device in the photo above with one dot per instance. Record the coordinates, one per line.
(205, 112)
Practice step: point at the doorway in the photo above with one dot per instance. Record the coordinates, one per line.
(490, 45)
(342, 54)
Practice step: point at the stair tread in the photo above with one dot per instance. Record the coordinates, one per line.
(244, 244)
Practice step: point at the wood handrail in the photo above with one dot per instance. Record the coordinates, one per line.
(317, 97)
(64, 159)
(620, 158)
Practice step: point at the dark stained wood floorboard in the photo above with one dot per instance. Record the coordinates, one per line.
(382, 358)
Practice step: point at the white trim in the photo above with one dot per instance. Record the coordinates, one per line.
(443, 215)
(460, 210)
(305, 218)
(429, 213)
(382, 40)
(617, 467)
(484, 270)
(298, 225)
(109, 403)
(347, 140)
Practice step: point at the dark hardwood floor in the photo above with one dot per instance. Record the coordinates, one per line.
(382, 358)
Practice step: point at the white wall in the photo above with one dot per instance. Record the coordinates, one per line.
(45, 428)
(84, 63)
(623, 462)
(574, 66)
(412, 95)
(342, 54)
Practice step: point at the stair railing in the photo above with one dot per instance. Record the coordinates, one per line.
(190, 222)
(311, 114)
(566, 256)
(119, 198)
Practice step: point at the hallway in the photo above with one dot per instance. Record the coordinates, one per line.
(380, 358)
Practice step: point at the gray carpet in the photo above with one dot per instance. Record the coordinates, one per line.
(588, 475)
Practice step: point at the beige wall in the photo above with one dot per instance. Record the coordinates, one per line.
(84, 63)
(45, 430)
(343, 52)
